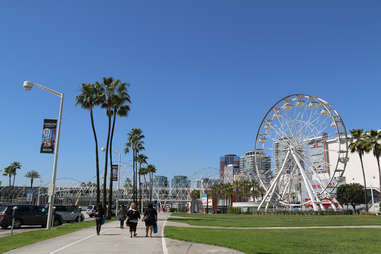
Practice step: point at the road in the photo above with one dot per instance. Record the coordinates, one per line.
(26, 228)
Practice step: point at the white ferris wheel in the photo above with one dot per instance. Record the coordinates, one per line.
(301, 151)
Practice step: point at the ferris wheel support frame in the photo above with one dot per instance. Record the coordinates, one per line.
(314, 199)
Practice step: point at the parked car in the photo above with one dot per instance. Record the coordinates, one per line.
(70, 213)
(91, 209)
(26, 215)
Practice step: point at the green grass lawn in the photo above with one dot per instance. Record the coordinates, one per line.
(304, 241)
(244, 220)
(8, 243)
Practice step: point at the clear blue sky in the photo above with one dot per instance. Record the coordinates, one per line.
(202, 73)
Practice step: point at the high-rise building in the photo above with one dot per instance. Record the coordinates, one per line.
(226, 160)
(229, 172)
(180, 182)
(160, 182)
(247, 163)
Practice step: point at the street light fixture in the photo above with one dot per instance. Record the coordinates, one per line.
(28, 86)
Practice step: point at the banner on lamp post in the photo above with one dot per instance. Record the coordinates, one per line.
(48, 136)
(114, 170)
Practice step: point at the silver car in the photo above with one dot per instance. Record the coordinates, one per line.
(70, 213)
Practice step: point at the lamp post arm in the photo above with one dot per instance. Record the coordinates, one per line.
(49, 90)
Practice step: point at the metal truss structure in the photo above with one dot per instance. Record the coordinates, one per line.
(306, 140)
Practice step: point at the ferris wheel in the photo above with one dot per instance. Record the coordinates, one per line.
(301, 151)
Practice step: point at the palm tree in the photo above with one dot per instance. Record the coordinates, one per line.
(127, 183)
(141, 159)
(15, 165)
(135, 143)
(32, 175)
(91, 96)
(151, 170)
(374, 139)
(215, 191)
(8, 171)
(360, 145)
(256, 189)
(115, 103)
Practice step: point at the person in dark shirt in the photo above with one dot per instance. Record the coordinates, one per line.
(133, 218)
(122, 215)
(150, 219)
(99, 217)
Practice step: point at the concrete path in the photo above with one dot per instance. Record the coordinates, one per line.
(184, 225)
(115, 240)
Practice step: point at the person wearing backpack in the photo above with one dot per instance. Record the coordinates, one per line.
(150, 219)
(133, 218)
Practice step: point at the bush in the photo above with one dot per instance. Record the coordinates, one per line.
(234, 210)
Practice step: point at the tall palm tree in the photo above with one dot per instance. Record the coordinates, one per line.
(135, 143)
(92, 95)
(151, 170)
(32, 175)
(15, 166)
(374, 138)
(141, 159)
(359, 144)
(115, 103)
(8, 171)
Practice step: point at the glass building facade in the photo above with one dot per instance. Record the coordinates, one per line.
(228, 159)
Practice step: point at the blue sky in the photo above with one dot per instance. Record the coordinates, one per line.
(202, 73)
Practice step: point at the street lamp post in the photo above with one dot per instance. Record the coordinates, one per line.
(28, 86)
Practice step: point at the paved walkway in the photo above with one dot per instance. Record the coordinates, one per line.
(115, 240)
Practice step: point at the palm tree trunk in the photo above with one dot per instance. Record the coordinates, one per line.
(151, 185)
(140, 188)
(363, 174)
(106, 161)
(96, 155)
(10, 180)
(31, 182)
(14, 178)
(111, 180)
(379, 170)
(134, 176)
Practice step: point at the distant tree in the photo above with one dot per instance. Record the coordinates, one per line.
(32, 175)
(360, 145)
(127, 183)
(15, 165)
(136, 144)
(151, 171)
(195, 194)
(8, 171)
(256, 189)
(374, 139)
(351, 194)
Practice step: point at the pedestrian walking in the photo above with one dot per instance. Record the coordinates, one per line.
(133, 218)
(150, 219)
(99, 214)
(122, 215)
